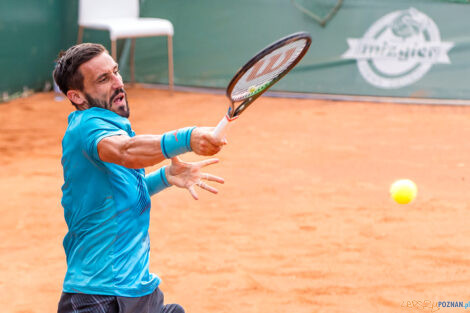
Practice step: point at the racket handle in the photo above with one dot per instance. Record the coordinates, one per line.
(221, 126)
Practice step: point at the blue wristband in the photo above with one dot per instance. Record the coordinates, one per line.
(156, 181)
(176, 142)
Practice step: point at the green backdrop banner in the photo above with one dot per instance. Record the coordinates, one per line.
(30, 37)
(413, 48)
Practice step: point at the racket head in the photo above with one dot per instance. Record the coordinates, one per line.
(265, 69)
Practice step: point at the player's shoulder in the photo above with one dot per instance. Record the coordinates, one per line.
(96, 119)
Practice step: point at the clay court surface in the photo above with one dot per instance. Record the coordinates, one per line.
(304, 222)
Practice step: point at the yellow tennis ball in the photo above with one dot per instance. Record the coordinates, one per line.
(403, 191)
(252, 89)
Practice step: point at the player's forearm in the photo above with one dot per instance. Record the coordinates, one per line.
(146, 150)
(142, 151)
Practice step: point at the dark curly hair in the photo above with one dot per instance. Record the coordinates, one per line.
(66, 73)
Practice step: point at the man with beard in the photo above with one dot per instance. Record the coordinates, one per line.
(106, 194)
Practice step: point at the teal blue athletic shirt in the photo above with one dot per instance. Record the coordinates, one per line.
(107, 210)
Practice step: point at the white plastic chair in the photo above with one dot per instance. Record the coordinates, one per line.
(121, 19)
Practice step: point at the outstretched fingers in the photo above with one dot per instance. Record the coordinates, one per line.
(207, 187)
(191, 176)
(193, 192)
(210, 177)
(201, 185)
(207, 162)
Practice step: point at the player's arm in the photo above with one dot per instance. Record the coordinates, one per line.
(131, 152)
(147, 150)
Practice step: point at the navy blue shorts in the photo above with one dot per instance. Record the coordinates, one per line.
(85, 303)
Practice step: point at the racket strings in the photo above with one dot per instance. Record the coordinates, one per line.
(265, 71)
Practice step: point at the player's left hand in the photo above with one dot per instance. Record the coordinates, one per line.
(188, 175)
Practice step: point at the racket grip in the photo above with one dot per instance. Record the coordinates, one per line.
(221, 126)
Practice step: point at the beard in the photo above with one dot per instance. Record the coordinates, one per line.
(122, 111)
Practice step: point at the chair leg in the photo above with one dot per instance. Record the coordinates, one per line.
(170, 63)
(132, 60)
(80, 34)
(113, 50)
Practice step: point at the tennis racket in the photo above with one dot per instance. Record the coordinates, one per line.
(264, 70)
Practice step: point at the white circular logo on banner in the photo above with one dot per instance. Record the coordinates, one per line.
(398, 49)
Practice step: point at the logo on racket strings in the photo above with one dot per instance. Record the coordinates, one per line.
(272, 66)
(398, 49)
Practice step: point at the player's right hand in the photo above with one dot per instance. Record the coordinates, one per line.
(203, 141)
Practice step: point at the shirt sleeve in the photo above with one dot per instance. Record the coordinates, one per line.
(95, 129)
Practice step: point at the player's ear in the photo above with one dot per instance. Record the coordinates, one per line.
(77, 98)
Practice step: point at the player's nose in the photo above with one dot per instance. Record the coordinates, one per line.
(117, 82)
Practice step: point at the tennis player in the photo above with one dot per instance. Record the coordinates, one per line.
(106, 194)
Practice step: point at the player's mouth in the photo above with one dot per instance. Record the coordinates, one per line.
(119, 99)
